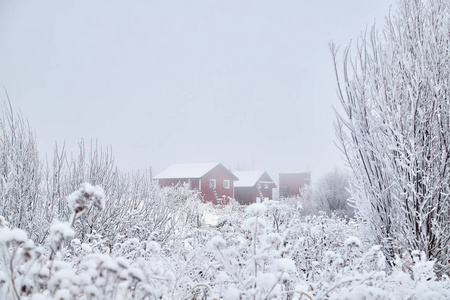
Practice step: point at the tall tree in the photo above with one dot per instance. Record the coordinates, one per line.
(395, 129)
(20, 172)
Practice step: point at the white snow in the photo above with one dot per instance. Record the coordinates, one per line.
(72, 200)
(273, 239)
(63, 294)
(352, 242)
(254, 223)
(137, 274)
(3, 222)
(8, 235)
(247, 178)
(216, 243)
(211, 219)
(122, 262)
(267, 280)
(232, 293)
(284, 265)
(256, 209)
(85, 247)
(39, 297)
(86, 196)
(75, 242)
(222, 277)
(63, 229)
(153, 247)
(181, 171)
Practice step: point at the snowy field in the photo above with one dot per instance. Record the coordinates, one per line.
(265, 251)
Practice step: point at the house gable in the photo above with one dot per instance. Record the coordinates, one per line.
(253, 185)
(251, 178)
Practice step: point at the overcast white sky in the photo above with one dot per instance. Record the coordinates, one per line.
(244, 83)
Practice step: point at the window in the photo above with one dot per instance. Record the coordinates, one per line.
(226, 184)
(285, 191)
(212, 183)
(266, 186)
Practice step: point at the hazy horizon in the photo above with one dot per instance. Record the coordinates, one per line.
(247, 84)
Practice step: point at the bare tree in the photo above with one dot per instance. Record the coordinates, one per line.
(395, 129)
(20, 172)
(331, 194)
(134, 206)
(32, 196)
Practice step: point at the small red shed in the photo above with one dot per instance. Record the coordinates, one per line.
(213, 180)
(291, 183)
(253, 187)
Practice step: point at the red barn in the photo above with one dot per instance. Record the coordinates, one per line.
(253, 187)
(213, 180)
(291, 183)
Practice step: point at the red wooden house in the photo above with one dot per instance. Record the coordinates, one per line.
(291, 183)
(213, 180)
(253, 187)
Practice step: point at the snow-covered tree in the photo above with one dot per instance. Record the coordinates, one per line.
(20, 172)
(134, 206)
(331, 194)
(394, 87)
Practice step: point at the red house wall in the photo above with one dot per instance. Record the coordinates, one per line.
(294, 181)
(248, 195)
(267, 193)
(244, 195)
(220, 174)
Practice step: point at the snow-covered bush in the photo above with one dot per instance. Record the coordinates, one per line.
(29, 270)
(248, 258)
(250, 266)
(20, 173)
(394, 130)
(331, 194)
(134, 206)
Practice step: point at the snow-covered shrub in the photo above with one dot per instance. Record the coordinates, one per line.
(394, 130)
(311, 258)
(20, 174)
(331, 194)
(29, 270)
(59, 232)
(279, 213)
(252, 265)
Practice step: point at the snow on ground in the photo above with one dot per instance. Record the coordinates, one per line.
(211, 219)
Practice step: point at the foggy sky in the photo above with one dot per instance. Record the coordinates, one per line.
(249, 84)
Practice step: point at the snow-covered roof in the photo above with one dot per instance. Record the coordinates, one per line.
(186, 171)
(296, 172)
(247, 178)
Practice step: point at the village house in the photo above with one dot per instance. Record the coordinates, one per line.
(253, 187)
(213, 180)
(291, 183)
